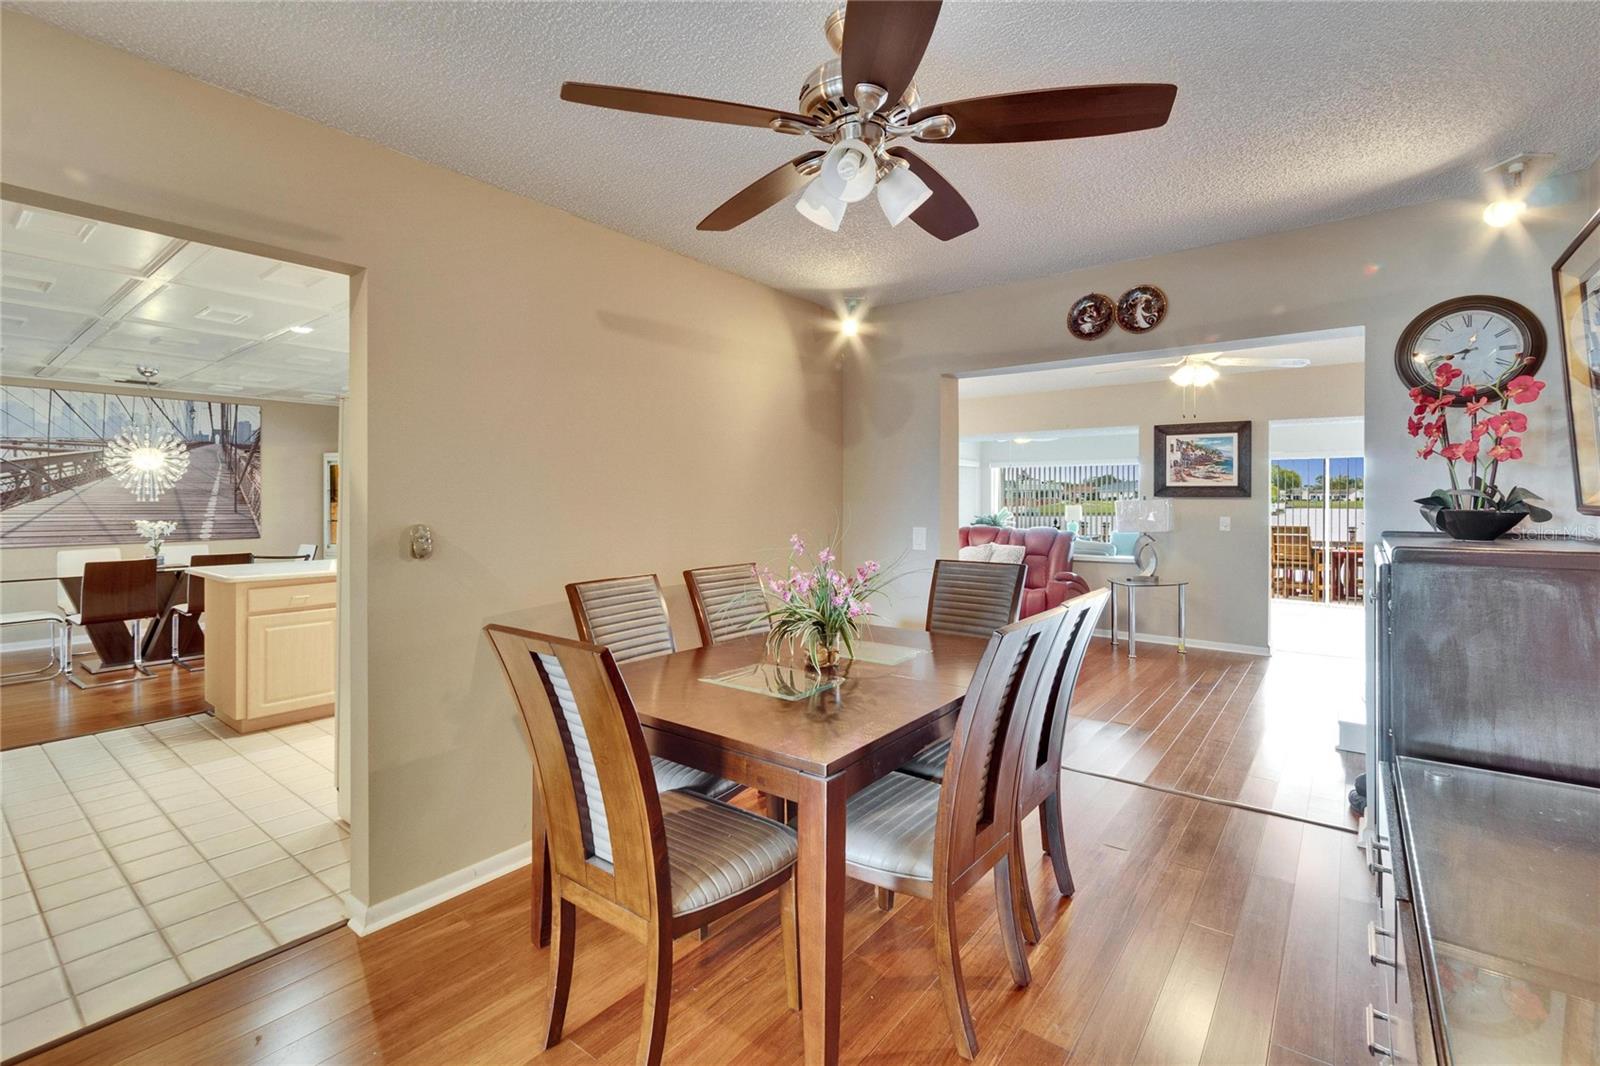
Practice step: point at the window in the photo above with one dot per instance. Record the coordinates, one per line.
(1057, 495)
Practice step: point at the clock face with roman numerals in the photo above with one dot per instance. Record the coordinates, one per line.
(1488, 339)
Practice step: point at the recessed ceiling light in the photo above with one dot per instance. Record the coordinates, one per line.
(300, 329)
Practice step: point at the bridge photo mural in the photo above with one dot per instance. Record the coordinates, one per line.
(83, 467)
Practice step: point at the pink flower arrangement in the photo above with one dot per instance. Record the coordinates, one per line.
(818, 607)
(1488, 441)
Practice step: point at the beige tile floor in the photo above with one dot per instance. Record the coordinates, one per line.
(139, 861)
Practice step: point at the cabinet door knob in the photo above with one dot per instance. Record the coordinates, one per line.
(1373, 933)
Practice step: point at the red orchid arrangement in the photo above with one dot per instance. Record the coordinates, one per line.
(1489, 439)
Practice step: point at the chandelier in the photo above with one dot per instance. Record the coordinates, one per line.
(144, 465)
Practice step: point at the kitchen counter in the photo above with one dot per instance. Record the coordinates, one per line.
(244, 573)
(1505, 877)
(272, 641)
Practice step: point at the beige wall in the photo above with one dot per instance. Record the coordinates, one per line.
(1227, 572)
(557, 400)
(1375, 272)
(294, 438)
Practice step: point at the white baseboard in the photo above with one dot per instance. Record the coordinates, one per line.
(1204, 645)
(365, 920)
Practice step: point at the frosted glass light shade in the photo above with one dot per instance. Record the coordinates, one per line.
(825, 210)
(900, 193)
(849, 171)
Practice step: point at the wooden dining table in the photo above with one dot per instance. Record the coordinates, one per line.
(815, 751)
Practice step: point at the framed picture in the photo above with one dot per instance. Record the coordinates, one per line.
(1203, 459)
(1577, 278)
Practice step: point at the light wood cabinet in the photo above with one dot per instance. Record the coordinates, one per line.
(271, 646)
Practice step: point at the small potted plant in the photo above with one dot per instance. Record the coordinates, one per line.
(819, 608)
(1001, 518)
(155, 533)
(1488, 435)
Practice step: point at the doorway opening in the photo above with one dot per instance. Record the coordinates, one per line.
(177, 772)
(1317, 536)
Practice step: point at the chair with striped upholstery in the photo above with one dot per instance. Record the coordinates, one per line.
(728, 603)
(653, 864)
(971, 599)
(936, 841)
(974, 599)
(629, 616)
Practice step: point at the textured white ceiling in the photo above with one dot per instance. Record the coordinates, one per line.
(90, 301)
(1287, 114)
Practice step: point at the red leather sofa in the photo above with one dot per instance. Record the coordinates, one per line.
(1046, 554)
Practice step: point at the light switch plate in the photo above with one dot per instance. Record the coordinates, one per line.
(919, 538)
(1225, 523)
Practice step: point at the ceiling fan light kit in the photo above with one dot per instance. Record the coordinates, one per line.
(863, 101)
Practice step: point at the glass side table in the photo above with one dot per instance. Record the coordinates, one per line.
(1133, 585)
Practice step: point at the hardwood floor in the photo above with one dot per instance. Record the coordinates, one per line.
(1200, 933)
(41, 711)
(1253, 730)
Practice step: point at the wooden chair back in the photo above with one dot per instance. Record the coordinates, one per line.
(974, 599)
(196, 593)
(602, 813)
(977, 805)
(1040, 772)
(120, 591)
(626, 614)
(728, 602)
(69, 566)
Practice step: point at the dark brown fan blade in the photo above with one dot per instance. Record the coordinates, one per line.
(671, 105)
(760, 194)
(1056, 114)
(946, 215)
(884, 41)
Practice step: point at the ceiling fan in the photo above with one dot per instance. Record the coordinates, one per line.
(859, 104)
(1201, 369)
(147, 377)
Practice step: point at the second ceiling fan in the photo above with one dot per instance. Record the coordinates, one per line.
(863, 101)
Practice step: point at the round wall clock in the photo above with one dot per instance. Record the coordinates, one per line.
(1091, 316)
(1489, 339)
(1141, 309)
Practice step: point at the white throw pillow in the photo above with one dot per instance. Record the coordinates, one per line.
(1007, 553)
(976, 553)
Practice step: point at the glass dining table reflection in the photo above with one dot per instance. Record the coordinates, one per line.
(730, 710)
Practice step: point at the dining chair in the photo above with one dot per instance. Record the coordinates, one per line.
(70, 564)
(653, 864)
(728, 602)
(194, 604)
(121, 591)
(1039, 776)
(972, 598)
(56, 622)
(935, 841)
(629, 616)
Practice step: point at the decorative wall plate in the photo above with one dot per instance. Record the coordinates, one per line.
(1091, 316)
(1141, 309)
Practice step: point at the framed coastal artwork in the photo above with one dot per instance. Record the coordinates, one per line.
(1203, 460)
(1577, 278)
